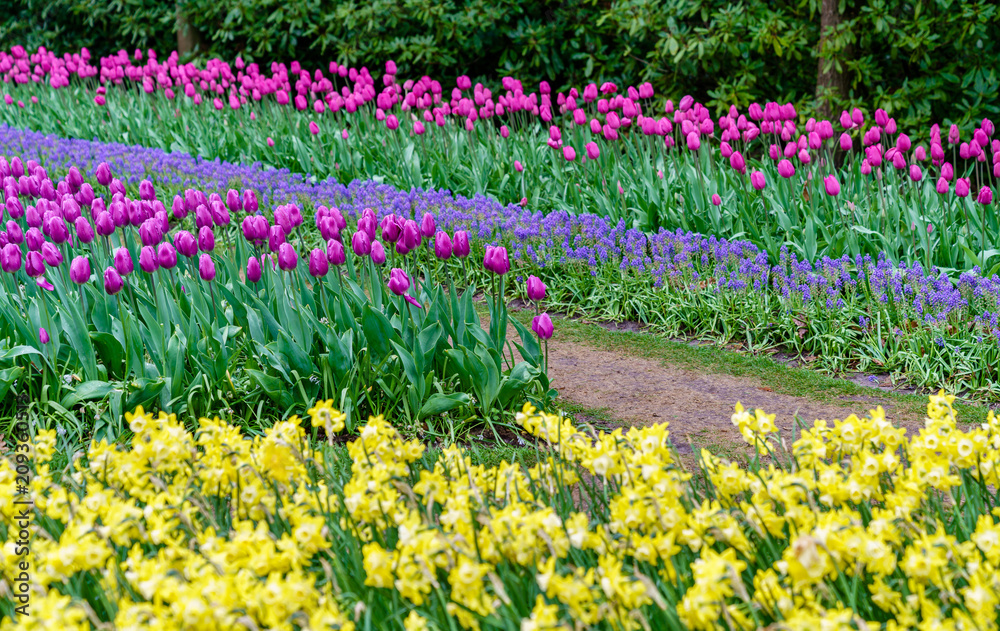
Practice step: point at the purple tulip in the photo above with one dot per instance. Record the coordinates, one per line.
(410, 238)
(915, 173)
(361, 243)
(166, 256)
(253, 269)
(83, 230)
(150, 232)
(113, 282)
(10, 258)
(43, 335)
(79, 270)
(716, 200)
(276, 236)
(103, 174)
(233, 201)
(831, 185)
(460, 244)
(757, 180)
(55, 228)
(53, 257)
(35, 239)
(378, 253)
(123, 261)
(104, 224)
(250, 201)
(147, 259)
(206, 239)
(391, 228)
(288, 259)
(442, 245)
(318, 264)
(335, 254)
(496, 260)
(14, 232)
(942, 185)
(399, 282)
(536, 289)
(146, 191)
(427, 226)
(206, 267)
(542, 326)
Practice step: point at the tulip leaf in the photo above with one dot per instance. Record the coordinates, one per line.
(87, 391)
(146, 391)
(378, 332)
(440, 403)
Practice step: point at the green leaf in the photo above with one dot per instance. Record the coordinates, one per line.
(440, 403)
(87, 391)
(378, 332)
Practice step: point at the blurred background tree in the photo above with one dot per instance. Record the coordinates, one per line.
(923, 61)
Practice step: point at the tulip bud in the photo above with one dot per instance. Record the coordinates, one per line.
(123, 261)
(79, 270)
(147, 259)
(318, 264)
(113, 282)
(378, 253)
(427, 226)
(288, 259)
(985, 196)
(542, 326)
(253, 270)
(962, 187)
(166, 256)
(716, 200)
(460, 244)
(536, 289)
(442, 246)
(206, 267)
(832, 185)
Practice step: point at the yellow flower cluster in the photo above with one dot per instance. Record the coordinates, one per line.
(861, 527)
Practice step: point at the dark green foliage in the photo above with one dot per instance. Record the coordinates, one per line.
(922, 61)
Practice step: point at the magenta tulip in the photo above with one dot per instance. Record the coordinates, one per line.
(147, 259)
(757, 180)
(442, 246)
(985, 196)
(378, 253)
(113, 282)
(831, 185)
(288, 259)
(542, 326)
(206, 267)
(536, 289)
(399, 282)
(460, 244)
(335, 254)
(318, 263)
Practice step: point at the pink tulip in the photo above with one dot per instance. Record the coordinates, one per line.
(985, 196)
(962, 187)
(915, 173)
(757, 180)
(832, 185)
(569, 153)
(716, 200)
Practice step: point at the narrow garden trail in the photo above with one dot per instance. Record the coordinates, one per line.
(629, 384)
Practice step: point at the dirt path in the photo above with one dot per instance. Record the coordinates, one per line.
(636, 390)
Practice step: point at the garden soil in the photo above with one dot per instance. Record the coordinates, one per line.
(634, 390)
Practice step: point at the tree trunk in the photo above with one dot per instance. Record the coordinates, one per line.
(830, 82)
(188, 38)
